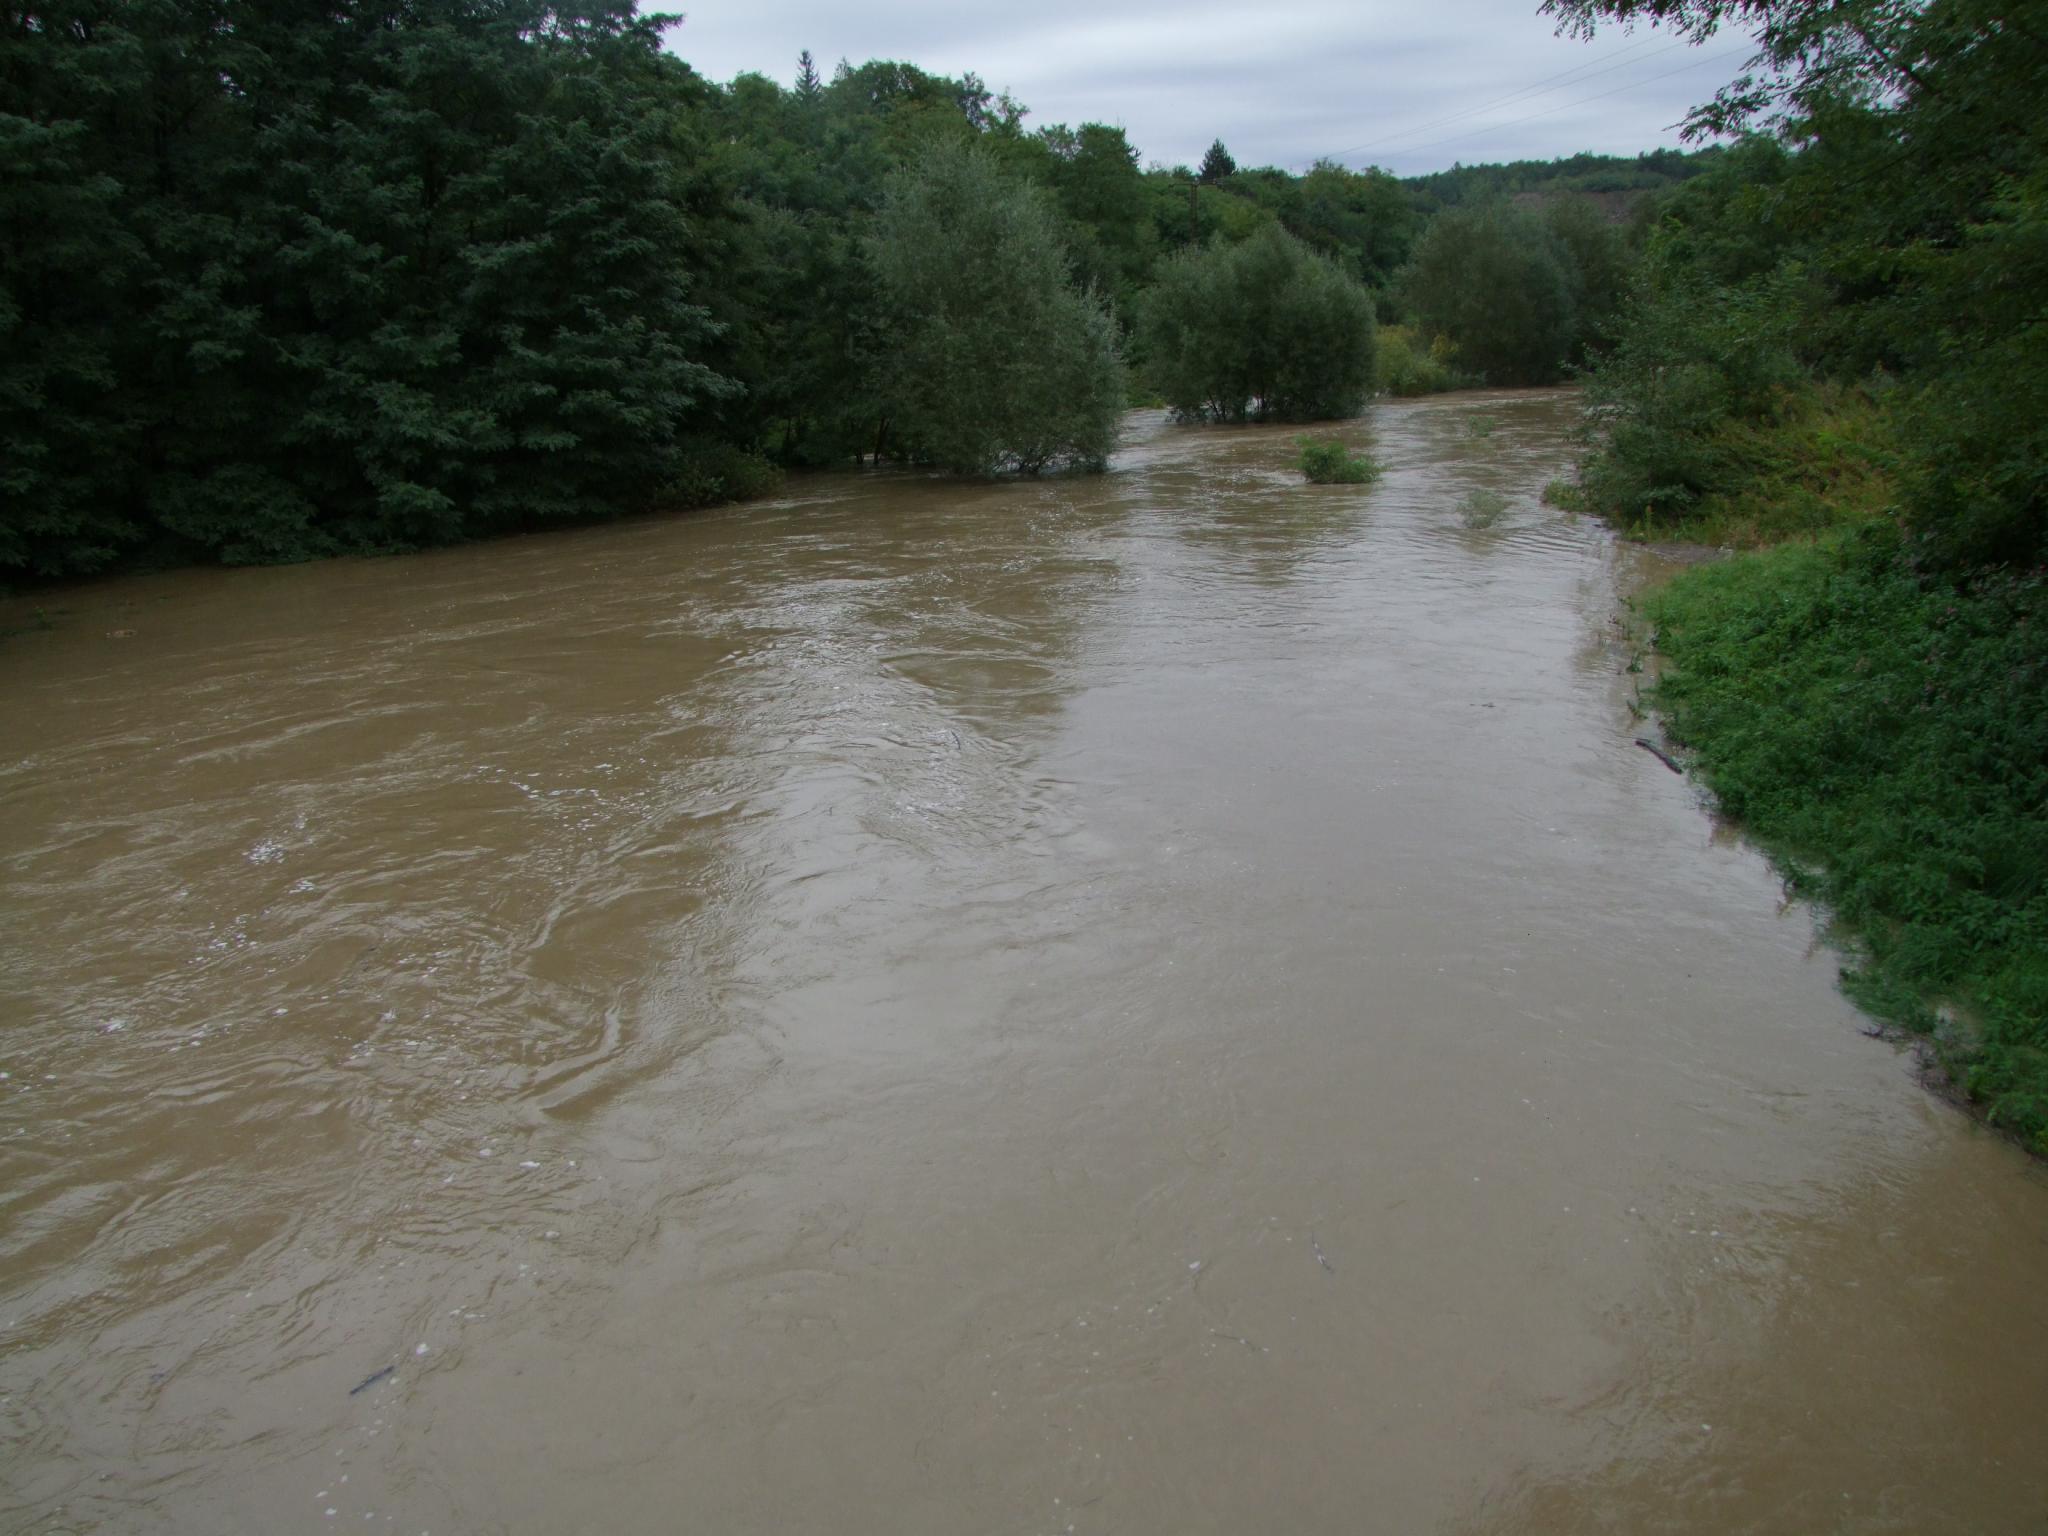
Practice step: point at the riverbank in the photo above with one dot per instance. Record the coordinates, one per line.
(1881, 731)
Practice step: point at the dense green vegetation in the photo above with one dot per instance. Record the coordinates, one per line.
(1835, 348)
(278, 282)
(1264, 328)
(998, 360)
(1884, 734)
(1327, 461)
(278, 288)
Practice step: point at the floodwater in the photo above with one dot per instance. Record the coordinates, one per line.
(1159, 1003)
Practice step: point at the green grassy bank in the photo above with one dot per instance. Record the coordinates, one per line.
(1882, 732)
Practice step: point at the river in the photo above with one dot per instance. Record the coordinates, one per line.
(1166, 1002)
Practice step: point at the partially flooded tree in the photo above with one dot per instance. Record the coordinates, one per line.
(1266, 328)
(992, 359)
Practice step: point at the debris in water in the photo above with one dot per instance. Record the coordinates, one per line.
(1320, 1259)
(372, 1380)
(1660, 754)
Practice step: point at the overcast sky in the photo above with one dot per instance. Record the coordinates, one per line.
(1409, 86)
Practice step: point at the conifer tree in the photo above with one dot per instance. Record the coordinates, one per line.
(1216, 164)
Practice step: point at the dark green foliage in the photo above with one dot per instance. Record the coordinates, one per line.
(360, 282)
(1886, 738)
(1496, 281)
(1630, 178)
(1266, 328)
(1598, 263)
(1094, 178)
(1326, 461)
(278, 282)
(1895, 228)
(992, 358)
(67, 426)
(1363, 220)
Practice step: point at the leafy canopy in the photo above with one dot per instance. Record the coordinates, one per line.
(992, 358)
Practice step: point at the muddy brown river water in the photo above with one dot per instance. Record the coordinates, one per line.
(1160, 1003)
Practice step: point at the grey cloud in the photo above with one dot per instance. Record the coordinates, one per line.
(1280, 85)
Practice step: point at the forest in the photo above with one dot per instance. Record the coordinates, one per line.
(280, 282)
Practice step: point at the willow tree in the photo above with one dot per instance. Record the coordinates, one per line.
(1266, 328)
(990, 357)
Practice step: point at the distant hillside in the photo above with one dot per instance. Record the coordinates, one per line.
(1617, 182)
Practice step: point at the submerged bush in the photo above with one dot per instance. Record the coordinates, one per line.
(1482, 509)
(1326, 461)
(715, 472)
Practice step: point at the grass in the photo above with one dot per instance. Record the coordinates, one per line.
(1824, 461)
(1482, 509)
(1480, 425)
(1326, 461)
(1884, 737)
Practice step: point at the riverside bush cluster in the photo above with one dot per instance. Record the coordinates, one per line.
(1884, 735)
(1410, 365)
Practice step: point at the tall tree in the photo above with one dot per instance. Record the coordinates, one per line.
(992, 358)
(398, 277)
(1266, 328)
(1216, 164)
(1494, 281)
(809, 87)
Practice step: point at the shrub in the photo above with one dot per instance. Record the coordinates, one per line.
(1326, 461)
(1408, 365)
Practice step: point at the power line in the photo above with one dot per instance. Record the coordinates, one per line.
(1540, 87)
(1458, 138)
